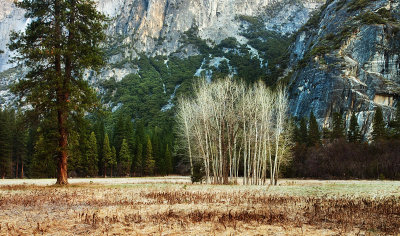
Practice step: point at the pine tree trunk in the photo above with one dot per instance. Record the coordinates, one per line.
(62, 176)
(62, 97)
(22, 169)
(16, 171)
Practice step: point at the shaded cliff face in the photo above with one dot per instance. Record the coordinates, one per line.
(348, 62)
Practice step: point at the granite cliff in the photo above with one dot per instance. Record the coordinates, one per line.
(348, 61)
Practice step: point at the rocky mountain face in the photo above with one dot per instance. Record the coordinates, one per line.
(11, 18)
(348, 61)
(344, 56)
(156, 26)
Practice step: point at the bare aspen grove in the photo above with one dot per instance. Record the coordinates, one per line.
(236, 130)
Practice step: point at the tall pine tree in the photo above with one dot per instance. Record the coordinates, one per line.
(354, 134)
(20, 145)
(92, 156)
(314, 135)
(168, 161)
(5, 144)
(60, 42)
(125, 160)
(149, 160)
(107, 154)
(113, 160)
(303, 131)
(378, 126)
(338, 126)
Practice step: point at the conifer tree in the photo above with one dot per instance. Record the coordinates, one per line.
(60, 42)
(5, 145)
(314, 135)
(107, 154)
(303, 132)
(149, 160)
(354, 134)
(138, 160)
(76, 160)
(125, 159)
(113, 161)
(20, 145)
(168, 161)
(100, 136)
(119, 133)
(326, 133)
(130, 135)
(296, 131)
(395, 124)
(378, 126)
(92, 156)
(338, 126)
(43, 164)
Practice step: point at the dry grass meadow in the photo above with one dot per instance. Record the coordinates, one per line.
(173, 206)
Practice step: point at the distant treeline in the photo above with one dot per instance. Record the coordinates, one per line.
(343, 153)
(98, 146)
(115, 145)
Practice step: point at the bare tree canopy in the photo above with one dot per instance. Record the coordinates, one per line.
(233, 129)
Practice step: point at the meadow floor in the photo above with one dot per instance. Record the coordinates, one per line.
(174, 206)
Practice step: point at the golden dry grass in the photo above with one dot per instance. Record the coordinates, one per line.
(295, 208)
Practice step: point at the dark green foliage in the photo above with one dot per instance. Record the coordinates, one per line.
(142, 96)
(320, 50)
(296, 131)
(59, 43)
(395, 124)
(229, 43)
(371, 18)
(272, 47)
(6, 143)
(44, 160)
(138, 162)
(75, 45)
(326, 134)
(303, 132)
(99, 129)
(354, 133)
(120, 132)
(149, 159)
(191, 37)
(20, 139)
(378, 125)
(314, 135)
(107, 154)
(113, 161)
(168, 161)
(338, 126)
(125, 159)
(356, 5)
(92, 157)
